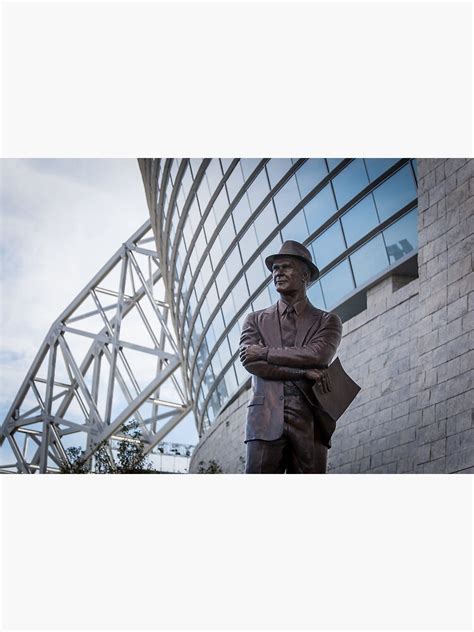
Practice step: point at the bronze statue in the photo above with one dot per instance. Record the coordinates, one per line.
(288, 348)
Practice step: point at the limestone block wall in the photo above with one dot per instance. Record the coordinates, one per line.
(445, 436)
(411, 351)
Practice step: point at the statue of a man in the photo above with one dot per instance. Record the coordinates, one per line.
(287, 348)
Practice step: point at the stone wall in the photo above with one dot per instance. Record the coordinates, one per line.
(411, 352)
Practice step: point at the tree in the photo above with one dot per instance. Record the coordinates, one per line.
(130, 457)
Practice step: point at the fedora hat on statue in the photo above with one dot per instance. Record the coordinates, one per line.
(295, 249)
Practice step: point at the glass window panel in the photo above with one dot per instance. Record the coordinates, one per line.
(194, 216)
(222, 392)
(310, 174)
(187, 181)
(212, 297)
(248, 166)
(228, 309)
(248, 243)
(205, 311)
(377, 166)
(359, 220)
(296, 229)
(401, 237)
(231, 379)
(227, 234)
(216, 362)
(234, 337)
(395, 193)
(242, 374)
(241, 213)
(174, 169)
(320, 208)
(240, 294)
(350, 181)
(255, 275)
(369, 260)
(265, 222)
(204, 194)
(199, 285)
(195, 164)
(287, 198)
(216, 253)
(328, 245)
(210, 225)
(214, 404)
(225, 162)
(222, 281)
(194, 259)
(414, 165)
(224, 351)
(211, 337)
(234, 182)
(258, 190)
(200, 244)
(262, 301)
(315, 295)
(276, 168)
(337, 283)
(221, 205)
(233, 264)
(333, 162)
(214, 174)
(218, 324)
(206, 271)
(271, 248)
(192, 302)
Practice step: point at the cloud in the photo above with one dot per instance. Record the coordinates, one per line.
(61, 221)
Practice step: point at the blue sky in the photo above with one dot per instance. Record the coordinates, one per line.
(61, 219)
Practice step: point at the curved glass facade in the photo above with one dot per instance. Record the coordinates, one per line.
(216, 220)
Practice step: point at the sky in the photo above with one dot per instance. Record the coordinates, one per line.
(60, 221)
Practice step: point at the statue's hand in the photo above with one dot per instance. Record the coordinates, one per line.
(320, 378)
(252, 353)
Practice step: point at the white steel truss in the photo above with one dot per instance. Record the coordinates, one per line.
(92, 373)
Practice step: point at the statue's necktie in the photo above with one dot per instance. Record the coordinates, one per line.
(288, 327)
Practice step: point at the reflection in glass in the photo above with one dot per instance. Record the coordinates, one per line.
(328, 245)
(350, 181)
(395, 193)
(402, 236)
(359, 220)
(337, 283)
(320, 208)
(287, 198)
(369, 260)
(377, 166)
(310, 174)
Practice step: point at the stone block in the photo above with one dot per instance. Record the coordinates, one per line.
(435, 467)
(438, 449)
(459, 422)
(457, 309)
(460, 461)
(460, 441)
(433, 432)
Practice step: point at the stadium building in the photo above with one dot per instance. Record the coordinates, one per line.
(393, 241)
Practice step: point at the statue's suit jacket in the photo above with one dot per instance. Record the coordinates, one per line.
(317, 338)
